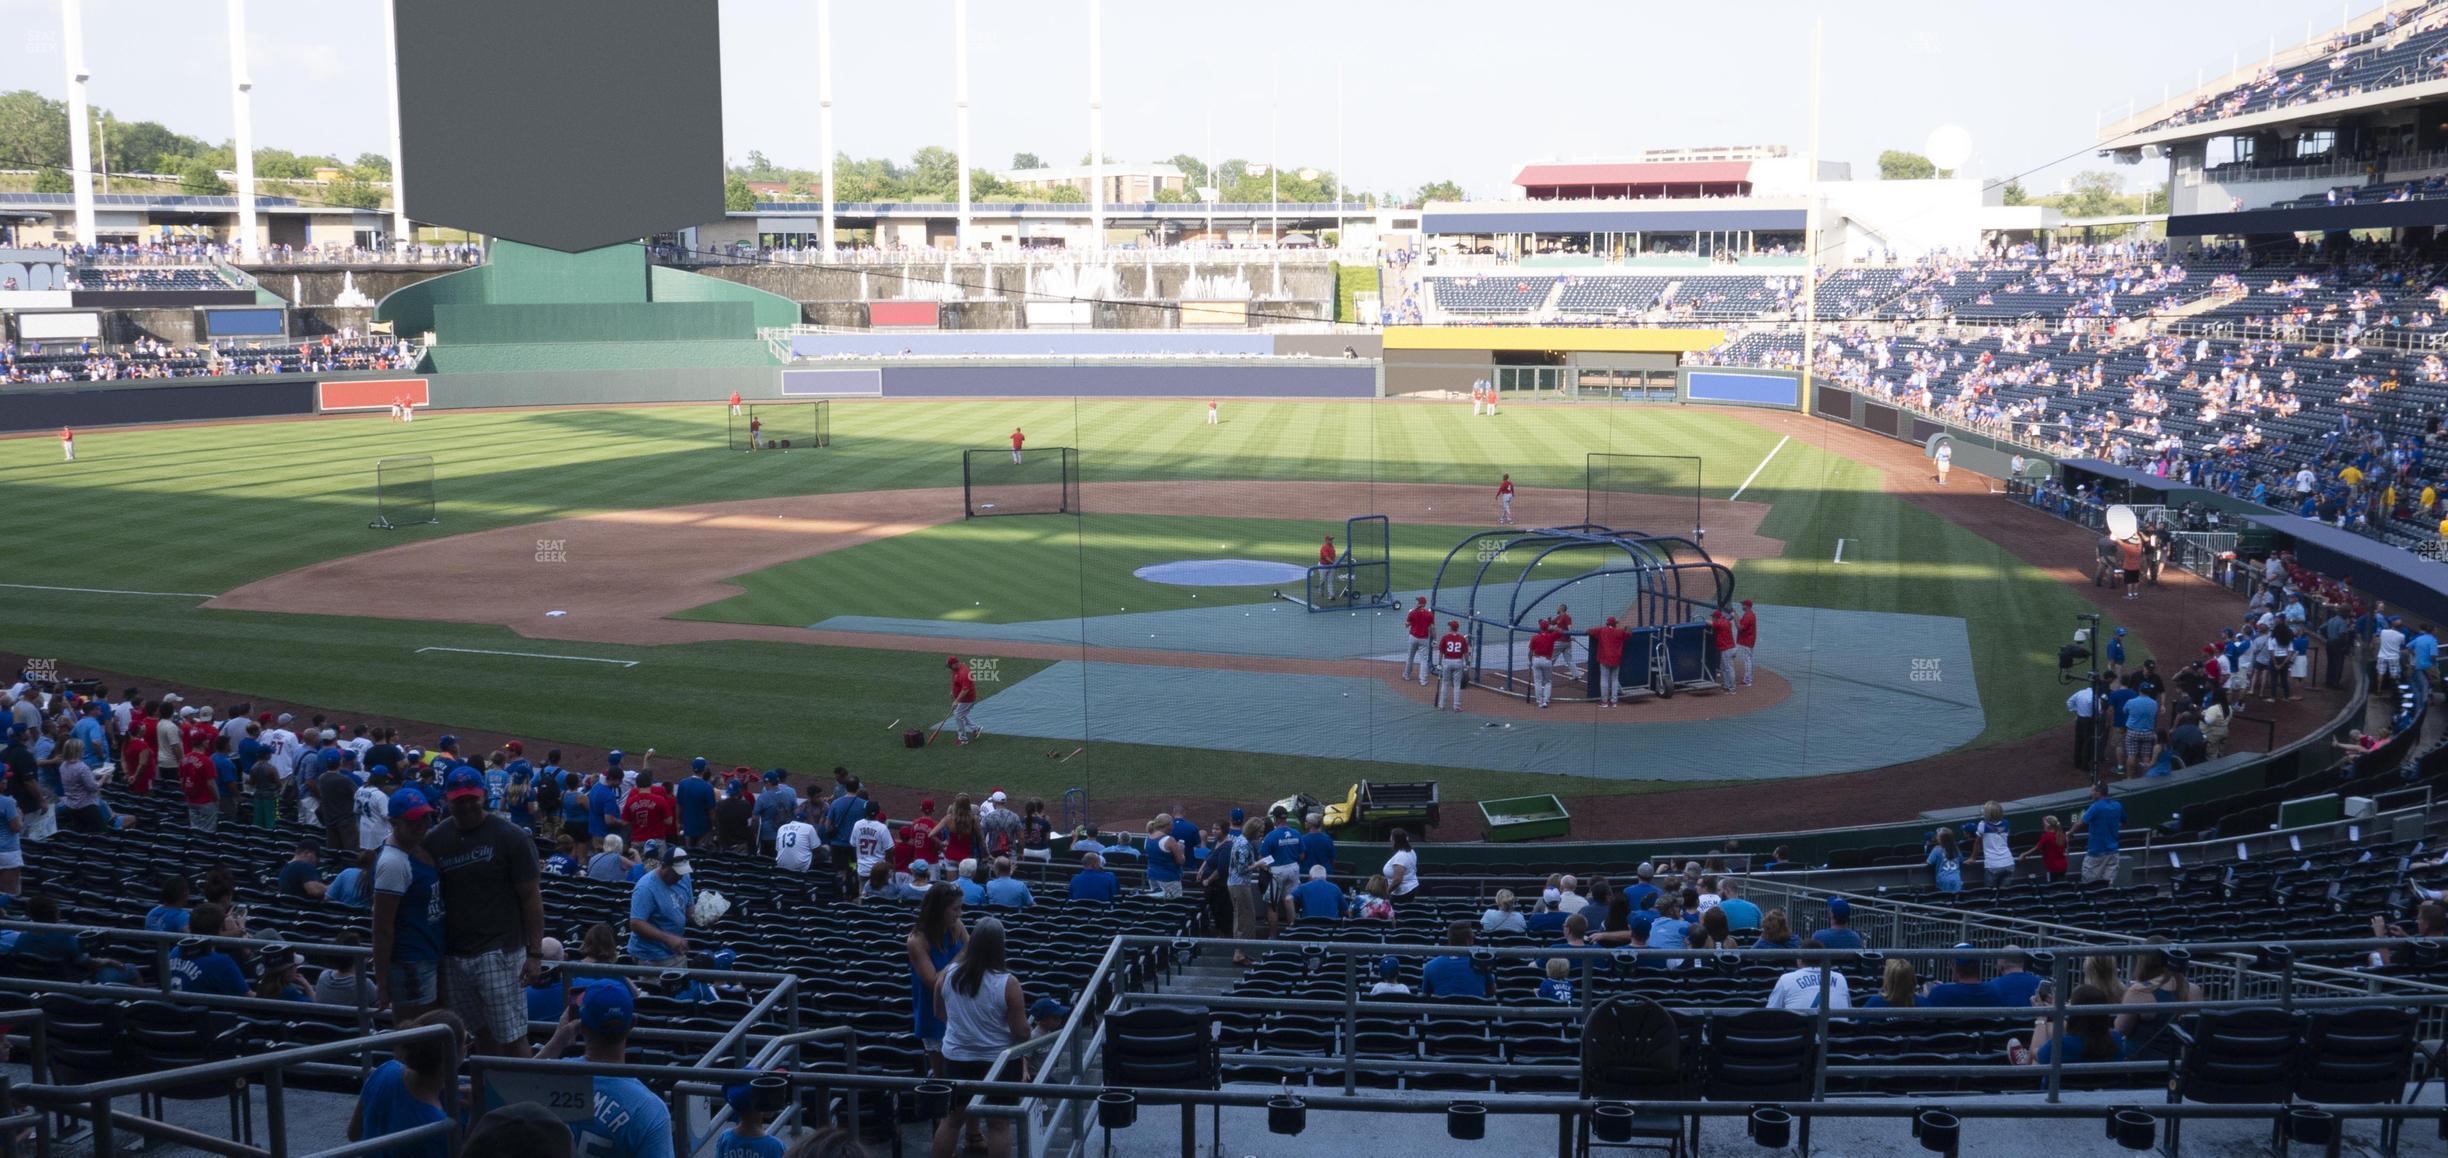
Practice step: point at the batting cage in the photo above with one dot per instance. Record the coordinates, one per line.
(1361, 576)
(782, 426)
(1500, 585)
(1041, 480)
(403, 492)
(1643, 490)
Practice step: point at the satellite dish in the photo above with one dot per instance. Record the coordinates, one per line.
(1948, 147)
(2121, 522)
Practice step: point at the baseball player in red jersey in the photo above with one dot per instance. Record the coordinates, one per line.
(1478, 398)
(735, 404)
(1564, 647)
(1542, 662)
(964, 693)
(1421, 621)
(1453, 664)
(1326, 558)
(1211, 412)
(1504, 500)
(1017, 440)
(1608, 645)
(756, 433)
(1721, 634)
(68, 443)
(1746, 634)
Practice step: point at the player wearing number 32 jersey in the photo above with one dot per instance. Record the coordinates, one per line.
(1453, 665)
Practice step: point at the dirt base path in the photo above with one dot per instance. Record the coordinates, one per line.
(618, 575)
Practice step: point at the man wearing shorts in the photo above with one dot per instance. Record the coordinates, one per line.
(492, 915)
(1608, 644)
(2389, 656)
(2129, 559)
(1504, 499)
(407, 912)
(2141, 720)
(1453, 665)
(1421, 621)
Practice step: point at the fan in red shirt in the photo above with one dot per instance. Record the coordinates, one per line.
(1607, 645)
(1542, 662)
(1453, 664)
(1504, 500)
(196, 734)
(1746, 635)
(1721, 639)
(198, 786)
(1421, 621)
(922, 827)
(648, 811)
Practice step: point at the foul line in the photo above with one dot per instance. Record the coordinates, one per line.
(1840, 550)
(530, 655)
(1772, 453)
(107, 591)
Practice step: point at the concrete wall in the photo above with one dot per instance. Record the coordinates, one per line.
(1009, 280)
(1130, 380)
(319, 284)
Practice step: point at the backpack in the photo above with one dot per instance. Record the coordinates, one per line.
(1631, 1047)
(548, 795)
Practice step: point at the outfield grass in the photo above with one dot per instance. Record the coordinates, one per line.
(205, 509)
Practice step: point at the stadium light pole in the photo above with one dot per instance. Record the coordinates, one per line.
(1338, 173)
(399, 161)
(824, 114)
(80, 131)
(1096, 126)
(1810, 226)
(1275, 150)
(960, 117)
(242, 115)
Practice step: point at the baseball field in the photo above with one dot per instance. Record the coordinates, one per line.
(795, 608)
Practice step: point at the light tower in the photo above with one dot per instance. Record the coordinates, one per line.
(1096, 125)
(242, 115)
(80, 132)
(960, 116)
(399, 161)
(824, 114)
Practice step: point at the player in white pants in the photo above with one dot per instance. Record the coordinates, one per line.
(1453, 665)
(1420, 621)
(1542, 667)
(68, 443)
(1609, 640)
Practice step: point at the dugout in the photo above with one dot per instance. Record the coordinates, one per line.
(1552, 361)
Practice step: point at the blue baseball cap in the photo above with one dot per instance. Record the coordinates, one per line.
(1641, 922)
(614, 756)
(1045, 1007)
(775, 775)
(463, 781)
(409, 804)
(1840, 909)
(1388, 966)
(607, 1009)
(741, 1098)
(698, 764)
(725, 958)
(1237, 816)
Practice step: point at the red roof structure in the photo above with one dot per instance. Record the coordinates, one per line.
(1573, 180)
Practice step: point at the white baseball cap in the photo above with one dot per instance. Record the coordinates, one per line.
(997, 797)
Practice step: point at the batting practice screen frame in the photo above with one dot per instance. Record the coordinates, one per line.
(1044, 482)
(786, 425)
(403, 491)
(1609, 480)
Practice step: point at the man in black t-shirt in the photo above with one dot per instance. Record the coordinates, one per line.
(336, 801)
(302, 877)
(735, 819)
(492, 915)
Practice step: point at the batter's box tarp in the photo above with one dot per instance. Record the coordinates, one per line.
(1893, 688)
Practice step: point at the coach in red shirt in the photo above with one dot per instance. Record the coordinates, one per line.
(1746, 634)
(1542, 662)
(1607, 644)
(1421, 622)
(1721, 639)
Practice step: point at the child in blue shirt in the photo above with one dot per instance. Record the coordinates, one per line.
(746, 1138)
(1558, 986)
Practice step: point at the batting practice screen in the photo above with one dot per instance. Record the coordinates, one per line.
(403, 492)
(1658, 494)
(1034, 481)
(782, 426)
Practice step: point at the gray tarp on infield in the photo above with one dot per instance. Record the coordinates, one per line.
(1856, 704)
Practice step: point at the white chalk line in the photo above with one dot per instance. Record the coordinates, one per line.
(1840, 549)
(1763, 465)
(107, 591)
(530, 655)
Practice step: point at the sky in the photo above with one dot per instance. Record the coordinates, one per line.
(1442, 90)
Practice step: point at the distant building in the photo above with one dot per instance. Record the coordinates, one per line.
(1123, 183)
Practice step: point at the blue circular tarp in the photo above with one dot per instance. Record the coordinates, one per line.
(1222, 573)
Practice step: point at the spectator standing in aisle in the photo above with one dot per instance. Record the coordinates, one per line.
(407, 911)
(2104, 821)
(983, 1014)
(492, 915)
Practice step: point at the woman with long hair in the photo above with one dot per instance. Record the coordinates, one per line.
(978, 1002)
(1946, 861)
(934, 940)
(2091, 1037)
(2159, 975)
(958, 838)
(1402, 865)
(2100, 972)
(1501, 918)
(1375, 902)
(1776, 932)
(1713, 925)
(1245, 881)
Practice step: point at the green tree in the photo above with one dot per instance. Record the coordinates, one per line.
(1438, 191)
(372, 167)
(2155, 202)
(1060, 194)
(198, 179)
(934, 175)
(149, 147)
(353, 193)
(1176, 197)
(2094, 193)
(2013, 194)
(1193, 170)
(737, 197)
(1089, 158)
(1027, 161)
(1899, 165)
(52, 180)
(759, 168)
(33, 130)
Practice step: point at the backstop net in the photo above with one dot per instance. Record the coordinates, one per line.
(1657, 494)
(782, 426)
(1040, 480)
(1363, 575)
(403, 491)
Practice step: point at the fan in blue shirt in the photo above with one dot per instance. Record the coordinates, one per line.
(629, 1121)
(1318, 897)
(1316, 850)
(603, 809)
(696, 799)
(1454, 976)
(1092, 882)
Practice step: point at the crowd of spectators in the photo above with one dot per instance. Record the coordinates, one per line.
(202, 251)
(148, 358)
